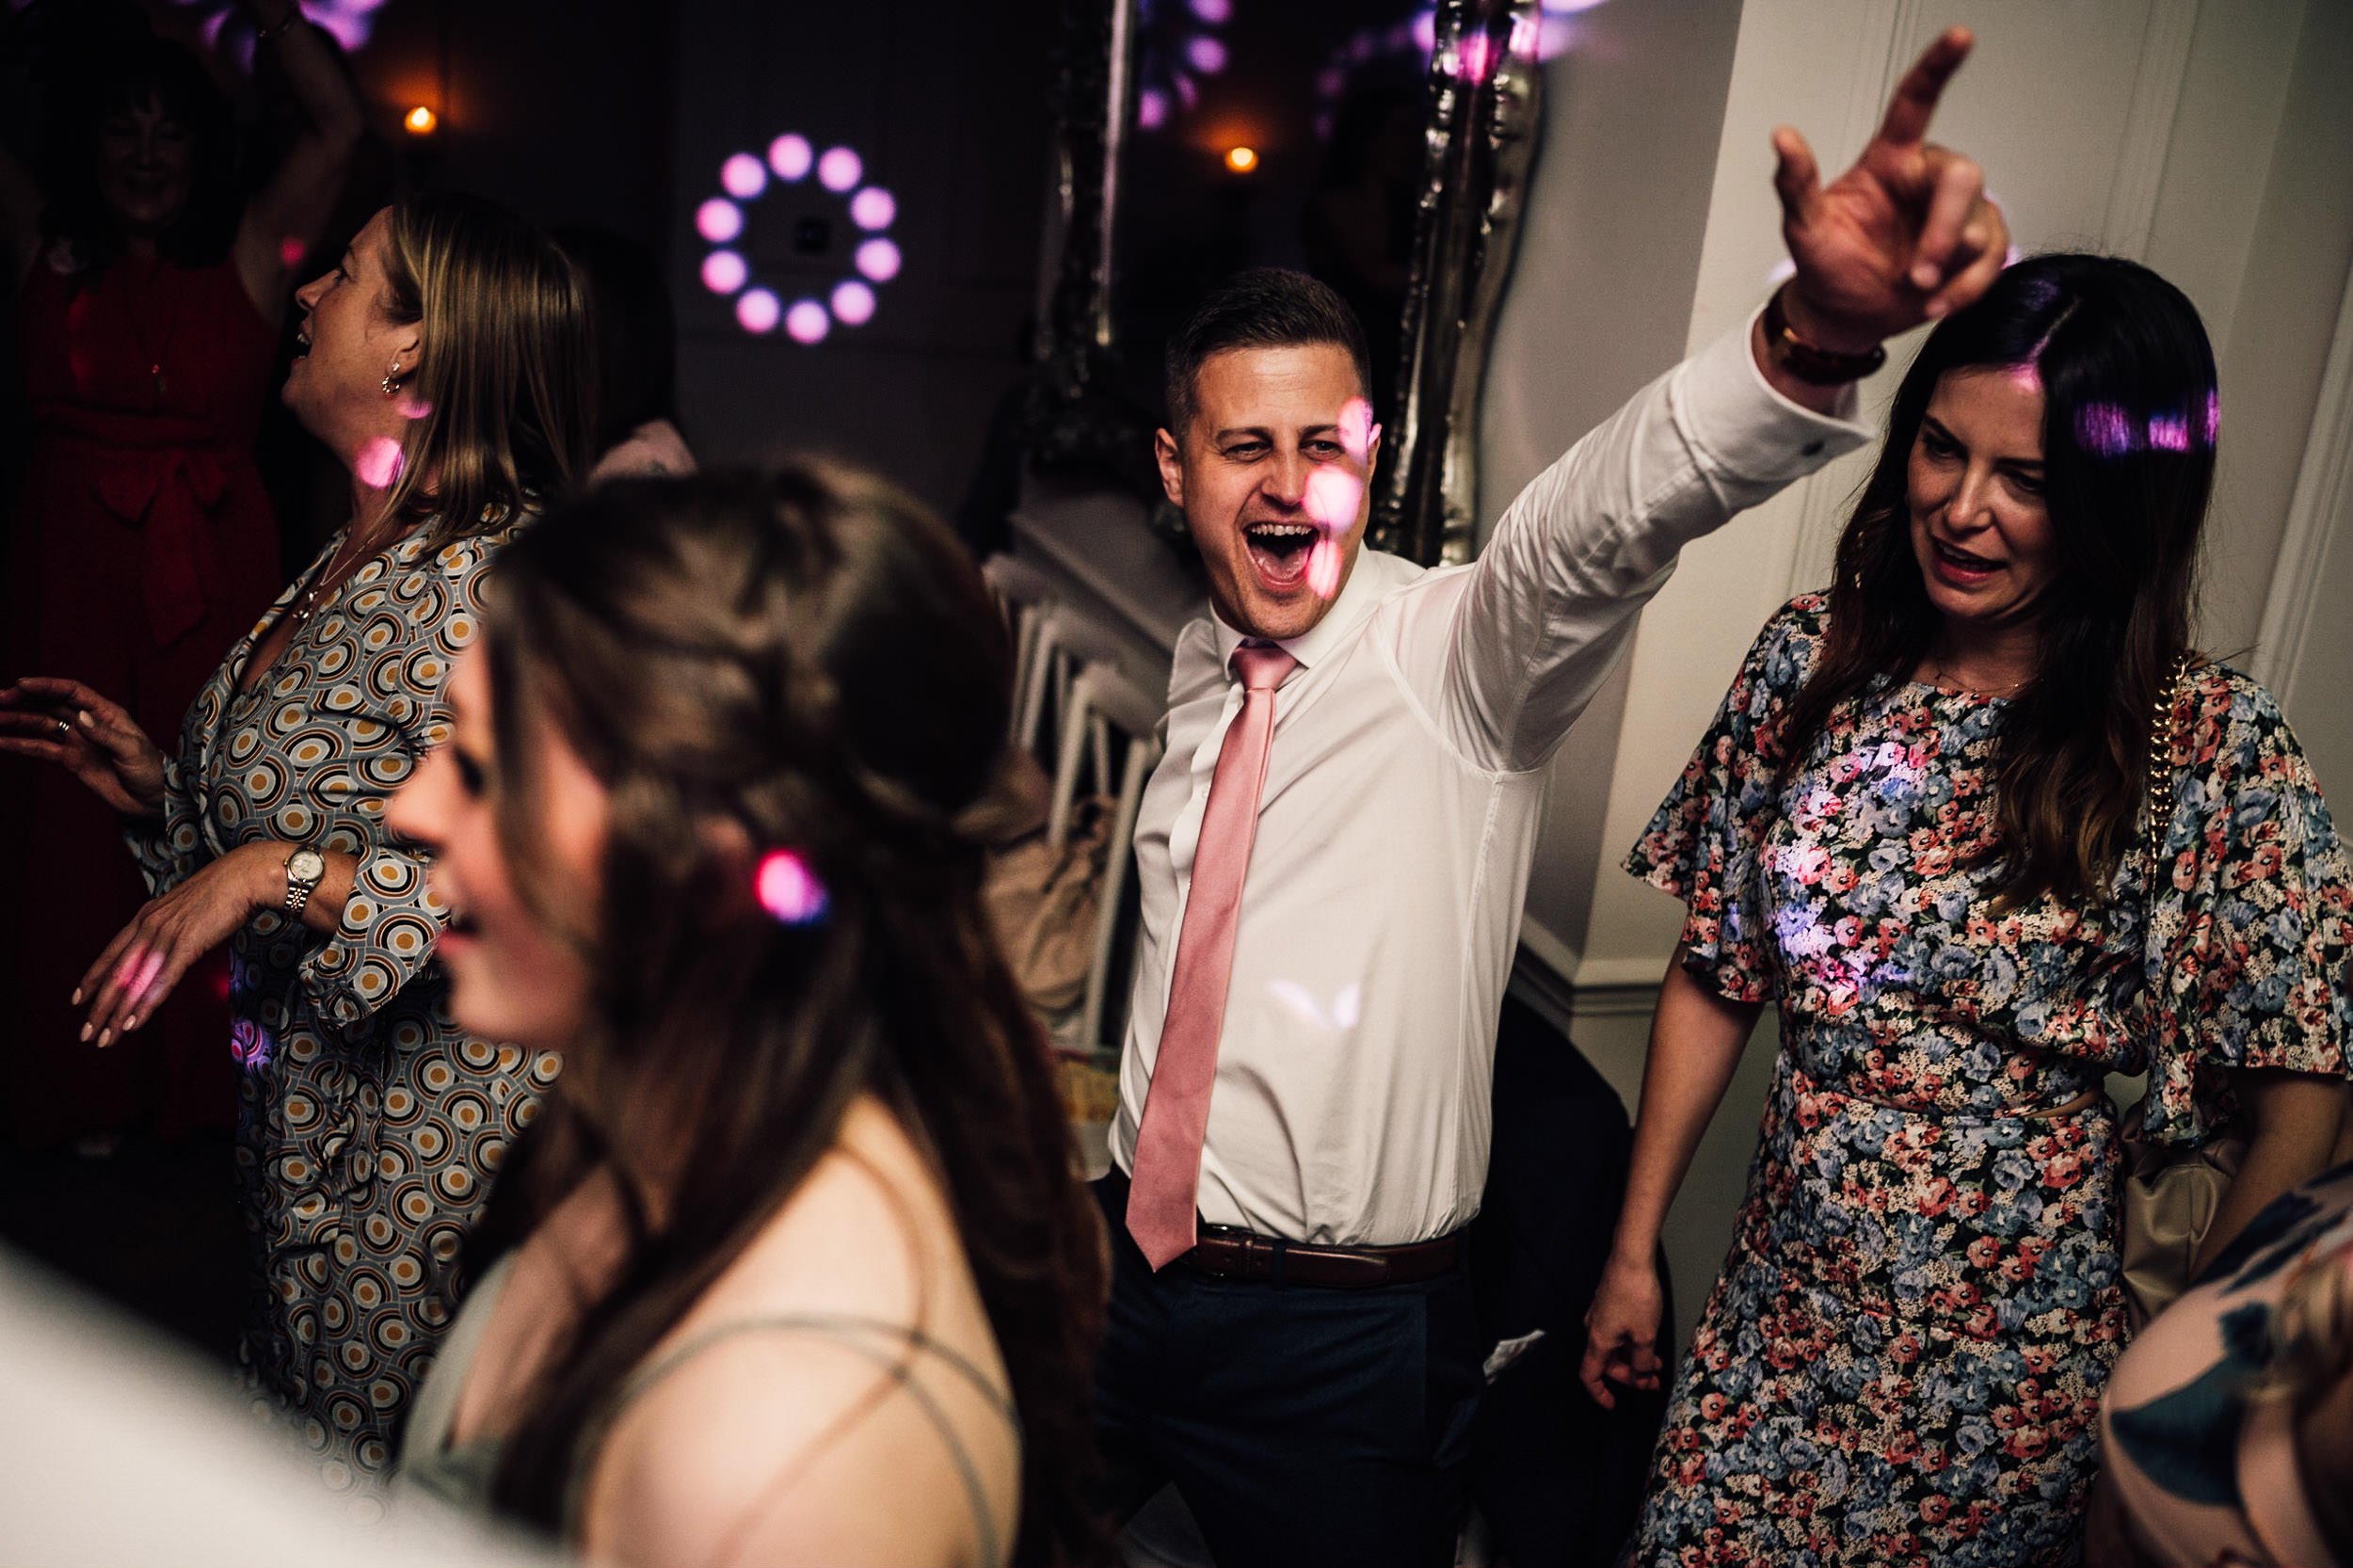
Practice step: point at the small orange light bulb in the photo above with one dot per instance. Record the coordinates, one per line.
(1242, 160)
(420, 121)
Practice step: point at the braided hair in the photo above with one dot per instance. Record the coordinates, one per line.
(803, 660)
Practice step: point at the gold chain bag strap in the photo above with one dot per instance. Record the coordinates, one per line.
(2171, 1194)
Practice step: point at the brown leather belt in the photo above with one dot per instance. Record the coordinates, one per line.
(1230, 1253)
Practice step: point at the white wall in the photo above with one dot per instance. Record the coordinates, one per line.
(2208, 139)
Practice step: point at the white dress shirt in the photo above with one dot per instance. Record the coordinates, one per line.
(1402, 796)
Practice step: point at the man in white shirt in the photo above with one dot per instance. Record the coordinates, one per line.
(1326, 933)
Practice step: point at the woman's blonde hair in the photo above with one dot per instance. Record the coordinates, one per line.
(504, 397)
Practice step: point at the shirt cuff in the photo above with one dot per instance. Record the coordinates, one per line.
(1752, 431)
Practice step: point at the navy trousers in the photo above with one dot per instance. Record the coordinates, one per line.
(1300, 1424)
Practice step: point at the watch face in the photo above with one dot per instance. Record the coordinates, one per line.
(305, 866)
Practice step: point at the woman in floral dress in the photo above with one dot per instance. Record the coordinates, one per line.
(447, 363)
(1908, 826)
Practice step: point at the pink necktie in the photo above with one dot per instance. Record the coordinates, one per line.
(1167, 1177)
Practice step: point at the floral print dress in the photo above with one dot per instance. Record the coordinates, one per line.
(368, 1124)
(1903, 1358)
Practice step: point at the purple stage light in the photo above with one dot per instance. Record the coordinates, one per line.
(874, 208)
(1151, 108)
(839, 169)
(721, 219)
(853, 303)
(724, 272)
(1208, 56)
(788, 889)
(758, 311)
(1215, 12)
(807, 322)
(718, 220)
(879, 260)
(742, 177)
(791, 156)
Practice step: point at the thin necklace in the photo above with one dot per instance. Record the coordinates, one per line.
(1940, 679)
(307, 604)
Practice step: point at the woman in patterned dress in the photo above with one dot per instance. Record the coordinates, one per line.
(1914, 826)
(447, 363)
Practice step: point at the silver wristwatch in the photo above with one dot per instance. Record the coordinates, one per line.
(304, 869)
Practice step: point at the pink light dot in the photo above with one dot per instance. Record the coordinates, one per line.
(1214, 12)
(1208, 56)
(807, 322)
(839, 169)
(289, 252)
(379, 463)
(758, 311)
(788, 889)
(874, 208)
(742, 177)
(718, 220)
(1332, 497)
(879, 260)
(414, 407)
(853, 303)
(790, 155)
(1152, 108)
(724, 272)
(1426, 31)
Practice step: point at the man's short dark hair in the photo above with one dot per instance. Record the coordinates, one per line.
(1266, 306)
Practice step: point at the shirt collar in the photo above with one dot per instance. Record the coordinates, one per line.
(1368, 582)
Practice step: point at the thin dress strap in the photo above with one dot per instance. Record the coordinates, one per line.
(852, 1332)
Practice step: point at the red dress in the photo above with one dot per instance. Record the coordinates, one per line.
(142, 547)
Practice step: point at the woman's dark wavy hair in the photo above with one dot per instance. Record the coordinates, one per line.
(804, 661)
(122, 75)
(2128, 419)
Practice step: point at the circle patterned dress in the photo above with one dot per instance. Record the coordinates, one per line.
(369, 1125)
(1903, 1358)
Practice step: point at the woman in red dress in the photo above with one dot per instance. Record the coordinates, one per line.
(141, 545)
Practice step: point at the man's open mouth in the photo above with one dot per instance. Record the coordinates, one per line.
(1279, 549)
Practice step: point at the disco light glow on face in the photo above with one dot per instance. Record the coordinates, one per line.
(412, 407)
(879, 260)
(724, 272)
(758, 311)
(718, 220)
(792, 157)
(807, 322)
(853, 303)
(788, 889)
(839, 169)
(724, 221)
(379, 463)
(742, 177)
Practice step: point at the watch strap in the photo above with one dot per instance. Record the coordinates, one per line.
(1809, 362)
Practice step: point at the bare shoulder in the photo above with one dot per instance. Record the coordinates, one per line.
(835, 1397)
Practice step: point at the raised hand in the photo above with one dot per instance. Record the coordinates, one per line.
(1905, 235)
(66, 723)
